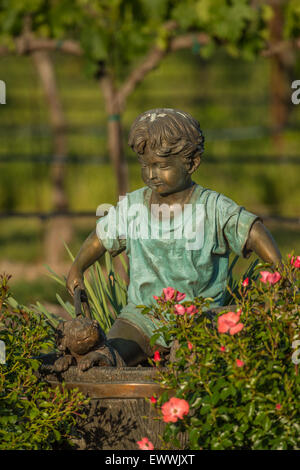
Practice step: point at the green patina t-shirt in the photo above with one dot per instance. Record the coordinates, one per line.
(189, 251)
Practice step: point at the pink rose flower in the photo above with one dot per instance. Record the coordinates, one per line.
(271, 278)
(145, 444)
(239, 363)
(191, 310)
(169, 293)
(156, 357)
(295, 261)
(264, 276)
(245, 282)
(190, 346)
(179, 309)
(179, 296)
(229, 322)
(173, 409)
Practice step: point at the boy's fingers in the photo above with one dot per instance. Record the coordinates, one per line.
(74, 282)
(70, 292)
(71, 288)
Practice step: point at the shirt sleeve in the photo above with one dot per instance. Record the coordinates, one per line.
(233, 224)
(111, 229)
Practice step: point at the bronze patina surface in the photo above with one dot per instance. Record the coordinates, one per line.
(169, 145)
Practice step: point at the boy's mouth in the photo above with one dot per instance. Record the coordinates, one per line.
(150, 183)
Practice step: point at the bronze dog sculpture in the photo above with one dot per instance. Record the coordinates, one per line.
(83, 342)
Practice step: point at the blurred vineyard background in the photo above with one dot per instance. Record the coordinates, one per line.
(245, 158)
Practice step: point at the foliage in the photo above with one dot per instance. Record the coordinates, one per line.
(117, 32)
(32, 415)
(292, 24)
(101, 293)
(242, 386)
(232, 284)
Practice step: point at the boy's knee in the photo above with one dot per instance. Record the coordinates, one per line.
(129, 350)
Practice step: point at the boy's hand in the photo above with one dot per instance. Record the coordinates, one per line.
(74, 279)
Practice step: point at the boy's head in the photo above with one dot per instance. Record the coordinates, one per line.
(169, 144)
(167, 132)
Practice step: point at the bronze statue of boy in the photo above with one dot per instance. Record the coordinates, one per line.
(169, 144)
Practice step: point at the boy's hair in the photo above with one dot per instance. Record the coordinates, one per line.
(167, 132)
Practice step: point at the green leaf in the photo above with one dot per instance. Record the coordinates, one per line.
(267, 424)
(205, 409)
(57, 434)
(215, 397)
(33, 413)
(194, 435)
(154, 339)
(251, 410)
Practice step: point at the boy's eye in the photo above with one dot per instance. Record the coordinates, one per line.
(162, 167)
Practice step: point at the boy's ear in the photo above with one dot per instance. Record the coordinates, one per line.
(194, 164)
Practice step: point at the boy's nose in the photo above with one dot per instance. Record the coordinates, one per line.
(151, 173)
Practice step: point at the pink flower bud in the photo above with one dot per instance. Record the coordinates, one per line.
(156, 357)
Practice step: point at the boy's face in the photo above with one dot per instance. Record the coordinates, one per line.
(164, 175)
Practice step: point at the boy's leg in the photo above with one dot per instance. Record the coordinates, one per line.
(130, 342)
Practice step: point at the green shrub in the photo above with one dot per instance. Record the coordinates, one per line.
(236, 373)
(32, 415)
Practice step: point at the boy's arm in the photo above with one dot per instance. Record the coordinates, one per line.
(262, 243)
(91, 250)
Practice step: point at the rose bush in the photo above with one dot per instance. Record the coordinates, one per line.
(237, 371)
(33, 416)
